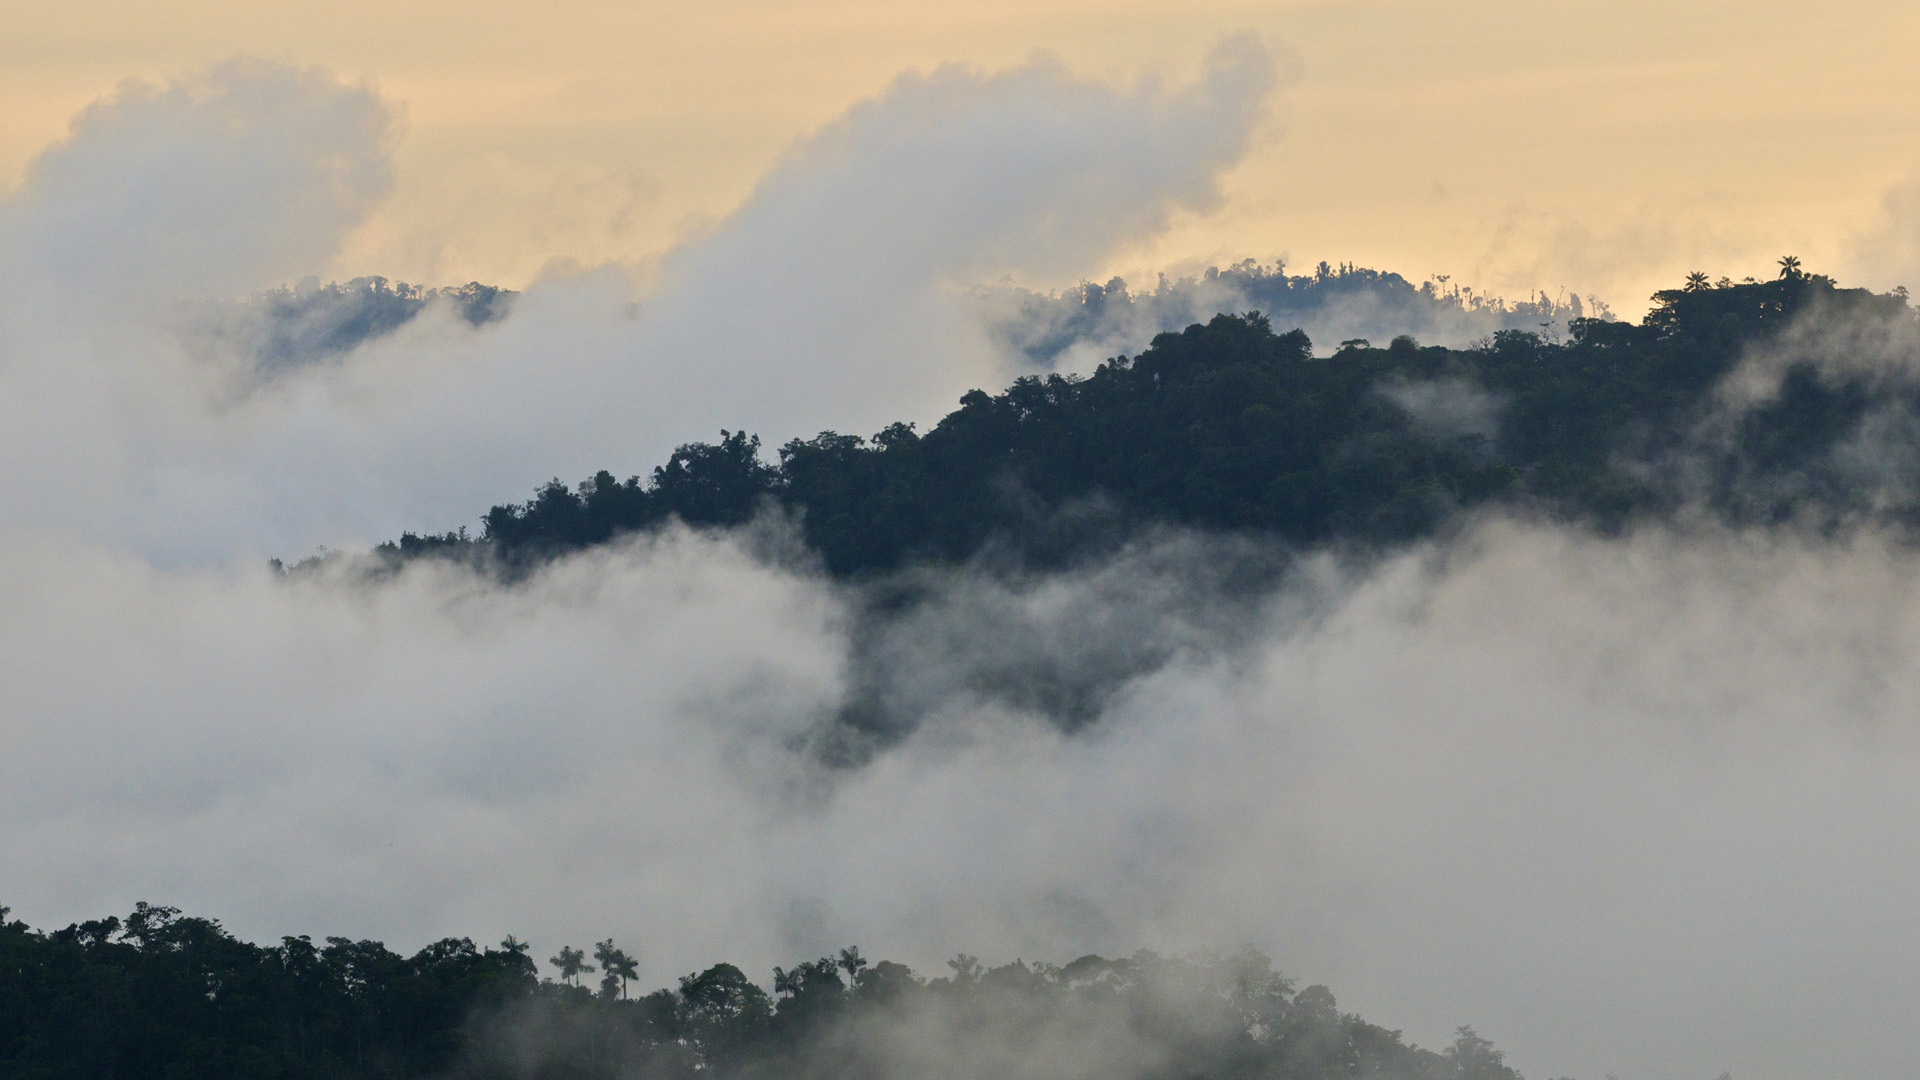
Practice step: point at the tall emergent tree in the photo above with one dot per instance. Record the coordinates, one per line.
(619, 968)
(572, 964)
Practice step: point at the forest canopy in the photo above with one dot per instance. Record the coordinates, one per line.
(159, 995)
(1236, 426)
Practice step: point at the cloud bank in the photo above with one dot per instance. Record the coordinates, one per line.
(1628, 806)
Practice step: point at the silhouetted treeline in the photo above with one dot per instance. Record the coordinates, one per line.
(1232, 426)
(160, 996)
(1336, 303)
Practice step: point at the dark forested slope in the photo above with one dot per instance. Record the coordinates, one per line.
(1233, 426)
(159, 996)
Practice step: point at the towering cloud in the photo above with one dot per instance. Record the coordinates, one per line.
(832, 298)
(235, 178)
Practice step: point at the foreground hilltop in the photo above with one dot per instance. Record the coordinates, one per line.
(1752, 402)
(160, 995)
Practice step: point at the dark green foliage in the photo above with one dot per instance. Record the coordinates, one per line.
(701, 484)
(1231, 427)
(163, 996)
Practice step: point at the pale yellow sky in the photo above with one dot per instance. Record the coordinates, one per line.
(1597, 148)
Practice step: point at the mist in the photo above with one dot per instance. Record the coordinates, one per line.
(1075, 329)
(1617, 803)
(1635, 805)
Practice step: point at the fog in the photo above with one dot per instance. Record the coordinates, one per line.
(1637, 805)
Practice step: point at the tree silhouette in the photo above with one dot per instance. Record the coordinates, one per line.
(966, 969)
(572, 963)
(852, 963)
(516, 952)
(1474, 1058)
(619, 968)
(1789, 267)
(185, 998)
(1697, 282)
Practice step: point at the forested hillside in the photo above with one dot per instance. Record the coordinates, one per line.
(1238, 427)
(160, 996)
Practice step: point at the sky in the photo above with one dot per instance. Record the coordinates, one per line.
(1601, 150)
(1636, 806)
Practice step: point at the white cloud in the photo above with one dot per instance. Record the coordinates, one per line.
(828, 300)
(231, 179)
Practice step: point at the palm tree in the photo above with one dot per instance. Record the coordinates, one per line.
(571, 962)
(852, 962)
(518, 950)
(1696, 282)
(618, 966)
(1789, 267)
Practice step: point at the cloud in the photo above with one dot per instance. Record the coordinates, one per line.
(1887, 251)
(212, 184)
(235, 178)
(1629, 806)
(835, 294)
(827, 300)
(1447, 408)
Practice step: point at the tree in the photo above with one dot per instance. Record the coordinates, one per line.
(1474, 1058)
(147, 925)
(1697, 282)
(518, 960)
(723, 1012)
(619, 968)
(966, 969)
(708, 484)
(572, 964)
(852, 963)
(1789, 268)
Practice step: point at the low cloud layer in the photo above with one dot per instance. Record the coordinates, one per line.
(1627, 806)
(1635, 806)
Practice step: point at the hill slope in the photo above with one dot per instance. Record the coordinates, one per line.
(1235, 427)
